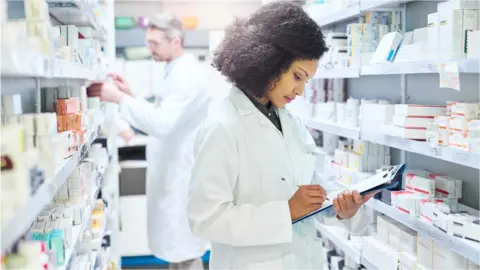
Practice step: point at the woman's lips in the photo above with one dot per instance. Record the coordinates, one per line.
(288, 99)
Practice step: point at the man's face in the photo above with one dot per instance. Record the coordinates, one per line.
(159, 45)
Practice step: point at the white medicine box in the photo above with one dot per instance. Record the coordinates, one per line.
(454, 24)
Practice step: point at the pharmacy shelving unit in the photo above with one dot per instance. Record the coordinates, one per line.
(468, 249)
(328, 73)
(468, 159)
(351, 12)
(334, 128)
(27, 72)
(16, 227)
(412, 82)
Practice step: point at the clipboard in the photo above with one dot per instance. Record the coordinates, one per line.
(388, 178)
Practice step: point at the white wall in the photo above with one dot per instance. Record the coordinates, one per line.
(211, 14)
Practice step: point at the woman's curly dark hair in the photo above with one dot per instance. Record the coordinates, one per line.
(258, 49)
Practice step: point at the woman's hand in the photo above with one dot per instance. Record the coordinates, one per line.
(347, 203)
(307, 199)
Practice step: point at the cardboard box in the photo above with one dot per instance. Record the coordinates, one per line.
(443, 122)
(419, 110)
(425, 251)
(388, 47)
(45, 123)
(458, 141)
(420, 185)
(469, 111)
(433, 34)
(458, 4)
(407, 261)
(407, 133)
(448, 187)
(454, 24)
(67, 106)
(458, 124)
(444, 258)
(472, 230)
(412, 121)
(383, 224)
(473, 125)
(473, 266)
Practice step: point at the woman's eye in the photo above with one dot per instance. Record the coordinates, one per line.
(297, 77)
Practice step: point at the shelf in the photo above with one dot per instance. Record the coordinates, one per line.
(333, 128)
(367, 5)
(333, 73)
(465, 248)
(19, 63)
(397, 68)
(352, 12)
(453, 155)
(457, 156)
(341, 15)
(419, 67)
(78, 230)
(73, 12)
(346, 246)
(22, 221)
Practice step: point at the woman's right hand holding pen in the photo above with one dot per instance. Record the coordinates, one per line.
(306, 199)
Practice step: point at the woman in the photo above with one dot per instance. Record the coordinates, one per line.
(254, 160)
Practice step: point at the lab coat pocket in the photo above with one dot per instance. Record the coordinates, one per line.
(288, 261)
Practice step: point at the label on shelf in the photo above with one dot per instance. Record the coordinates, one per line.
(449, 75)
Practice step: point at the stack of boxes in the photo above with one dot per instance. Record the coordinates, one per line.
(464, 126)
(66, 42)
(354, 156)
(434, 255)
(391, 242)
(410, 121)
(460, 129)
(448, 29)
(396, 246)
(426, 192)
(70, 120)
(55, 223)
(363, 38)
(336, 56)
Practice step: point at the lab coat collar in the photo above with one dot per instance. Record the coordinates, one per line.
(245, 107)
(243, 103)
(169, 66)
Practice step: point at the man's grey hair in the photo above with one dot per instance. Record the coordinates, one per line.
(169, 24)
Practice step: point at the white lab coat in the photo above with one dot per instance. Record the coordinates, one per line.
(181, 106)
(245, 171)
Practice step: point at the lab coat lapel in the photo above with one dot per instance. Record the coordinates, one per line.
(288, 129)
(246, 107)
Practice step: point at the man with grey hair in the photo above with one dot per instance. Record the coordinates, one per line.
(172, 122)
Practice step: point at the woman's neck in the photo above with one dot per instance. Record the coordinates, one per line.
(263, 100)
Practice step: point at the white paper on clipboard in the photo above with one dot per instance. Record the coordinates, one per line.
(382, 180)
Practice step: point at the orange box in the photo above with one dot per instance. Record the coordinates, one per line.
(61, 123)
(77, 122)
(67, 106)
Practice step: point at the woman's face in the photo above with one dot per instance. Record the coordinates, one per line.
(292, 82)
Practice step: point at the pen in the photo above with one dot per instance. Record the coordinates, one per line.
(326, 199)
